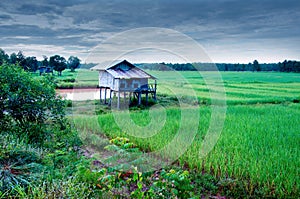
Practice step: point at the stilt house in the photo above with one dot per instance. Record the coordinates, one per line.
(124, 78)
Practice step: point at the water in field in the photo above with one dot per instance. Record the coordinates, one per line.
(81, 94)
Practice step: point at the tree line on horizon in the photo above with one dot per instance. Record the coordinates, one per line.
(285, 66)
(59, 64)
(31, 64)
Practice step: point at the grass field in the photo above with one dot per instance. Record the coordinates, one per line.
(81, 78)
(259, 144)
(240, 87)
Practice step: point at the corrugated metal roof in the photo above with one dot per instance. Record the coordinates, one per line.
(129, 74)
(117, 72)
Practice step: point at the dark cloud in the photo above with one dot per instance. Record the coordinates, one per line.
(224, 16)
(215, 23)
(5, 17)
(25, 30)
(32, 9)
(10, 34)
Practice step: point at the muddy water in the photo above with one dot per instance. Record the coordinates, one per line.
(81, 94)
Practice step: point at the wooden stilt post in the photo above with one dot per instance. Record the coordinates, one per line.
(124, 98)
(140, 97)
(110, 91)
(119, 91)
(155, 85)
(105, 95)
(147, 98)
(118, 105)
(100, 95)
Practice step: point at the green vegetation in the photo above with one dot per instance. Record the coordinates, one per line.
(41, 156)
(257, 153)
(37, 150)
(241, 88)
(81, 78)
(285, 66)
(28, 107)
(31, 64)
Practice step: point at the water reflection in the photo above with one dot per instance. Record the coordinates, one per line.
(81, 94)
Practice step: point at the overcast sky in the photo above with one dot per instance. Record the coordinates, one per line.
(229, 30)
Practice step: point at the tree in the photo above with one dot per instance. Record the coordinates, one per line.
(58, 63)
(226, 67)
(3, 57)
(256, 66)
(31, 64)
(21, 60)
(29, 107)
(73, 63)
(297, 67)
(45, 61)
(13, 58)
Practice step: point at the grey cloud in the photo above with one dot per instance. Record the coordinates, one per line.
(24, 30)
(32, 9)
(27, 34)
(5, 17)
(219, 21)
(226, 16)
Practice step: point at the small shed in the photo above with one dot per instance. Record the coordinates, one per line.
(45, 69)
(124, 77)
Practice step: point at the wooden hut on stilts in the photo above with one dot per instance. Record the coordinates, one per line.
(124, 79)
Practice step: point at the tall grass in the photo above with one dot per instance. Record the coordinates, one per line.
(259, 144)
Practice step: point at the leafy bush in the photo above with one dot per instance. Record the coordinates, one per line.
(71, 80)
(19, 164)
(125, 180)
(29, 107)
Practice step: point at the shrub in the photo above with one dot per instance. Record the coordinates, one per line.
(71, 80)
(19, 164)
(28, 106)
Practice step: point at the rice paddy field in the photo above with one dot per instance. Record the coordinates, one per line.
(260, 139)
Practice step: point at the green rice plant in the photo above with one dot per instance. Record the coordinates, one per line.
(257, 154)
(258, 145)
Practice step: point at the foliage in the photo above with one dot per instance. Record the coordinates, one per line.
(81, 78)
(27, 63)
(38, 148)
(57, 188)
(18, 164)
(31, 64)
(256, 155)
(173, 184)
(249, 132)
(3, 57)
(17, 168)
(285, 66)
(28, 107)
(289, 66)
(58, 63)
(45, 61)
(256, 66)
(73, 63)
(129, 182)
(258, 148)
(21, 60)
(27, 171)
(13, 58)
